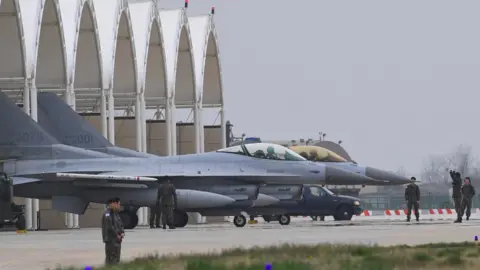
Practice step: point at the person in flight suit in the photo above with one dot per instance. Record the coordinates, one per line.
(468, 192)
(112, 232)
(412, 197)
(155, 215)
(457, 193)
(168, 201)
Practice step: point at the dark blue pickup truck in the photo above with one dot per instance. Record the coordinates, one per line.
(315, 201)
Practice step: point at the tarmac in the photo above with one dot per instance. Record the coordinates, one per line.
(82, 247)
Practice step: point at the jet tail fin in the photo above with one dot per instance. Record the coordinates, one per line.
(22, 138)
(62, 122)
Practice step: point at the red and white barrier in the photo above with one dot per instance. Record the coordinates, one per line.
(429, 214)
(425, 214)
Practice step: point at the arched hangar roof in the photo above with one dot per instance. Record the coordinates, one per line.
(207, 60)
(89, 45)
(334, 147)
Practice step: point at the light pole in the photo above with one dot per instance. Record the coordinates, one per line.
(322, 136)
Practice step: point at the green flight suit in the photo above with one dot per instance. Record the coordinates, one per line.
(468, 192)
(412, 197)
(155, 214)
(457, 193)
(168, 201)
(112, 229)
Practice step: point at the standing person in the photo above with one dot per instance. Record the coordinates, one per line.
(155, 216)
(468, 191)
(168, 201)
(457, 194)
(112, 232)
(412, 197)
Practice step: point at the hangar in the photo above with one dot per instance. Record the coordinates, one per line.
(111, 60)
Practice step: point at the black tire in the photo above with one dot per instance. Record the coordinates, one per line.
(21, 223)
(130, 220)
(344, 212)
(180, 219)
(284, 220)
(134, 220)
(239, 221)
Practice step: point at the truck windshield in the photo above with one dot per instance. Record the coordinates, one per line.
(328, 191)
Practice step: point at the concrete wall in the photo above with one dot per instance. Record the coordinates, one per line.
(125, 136)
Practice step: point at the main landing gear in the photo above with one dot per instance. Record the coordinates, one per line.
(130, 219)
(240, 221)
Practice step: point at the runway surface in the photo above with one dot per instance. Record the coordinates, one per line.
(40, 250)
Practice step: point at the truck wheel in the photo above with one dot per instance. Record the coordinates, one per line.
(344, 212)
(239, 221)
(21, 224)
(284, 220)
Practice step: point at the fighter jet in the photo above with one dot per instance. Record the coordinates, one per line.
(72, 177)
(63, 123)
(320, 154)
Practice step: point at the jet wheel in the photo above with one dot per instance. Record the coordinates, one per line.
(284, 220)
(180, 219)
(129, 219)
(21, 224)
(239, 221)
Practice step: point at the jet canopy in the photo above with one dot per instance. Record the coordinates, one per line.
(316, 153)
(264, 151)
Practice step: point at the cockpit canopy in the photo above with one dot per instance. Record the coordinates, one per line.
(316, 153)
(264, 151)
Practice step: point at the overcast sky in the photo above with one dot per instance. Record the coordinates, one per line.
(395, 80)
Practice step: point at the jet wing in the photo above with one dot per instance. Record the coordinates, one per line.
(23, 180)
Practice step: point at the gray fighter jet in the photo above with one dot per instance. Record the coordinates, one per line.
(72, 177)
(62, 122)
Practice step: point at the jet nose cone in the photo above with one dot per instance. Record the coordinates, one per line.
(336, 176)
(387, 178)
(264, 200)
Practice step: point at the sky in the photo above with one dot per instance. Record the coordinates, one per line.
(396, 81)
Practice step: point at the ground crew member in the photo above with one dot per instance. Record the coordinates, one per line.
(412, 197)
(155, 212)
(112, 231)
(155, 216)
(468, 191)
(457, 194)
(168, 201)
